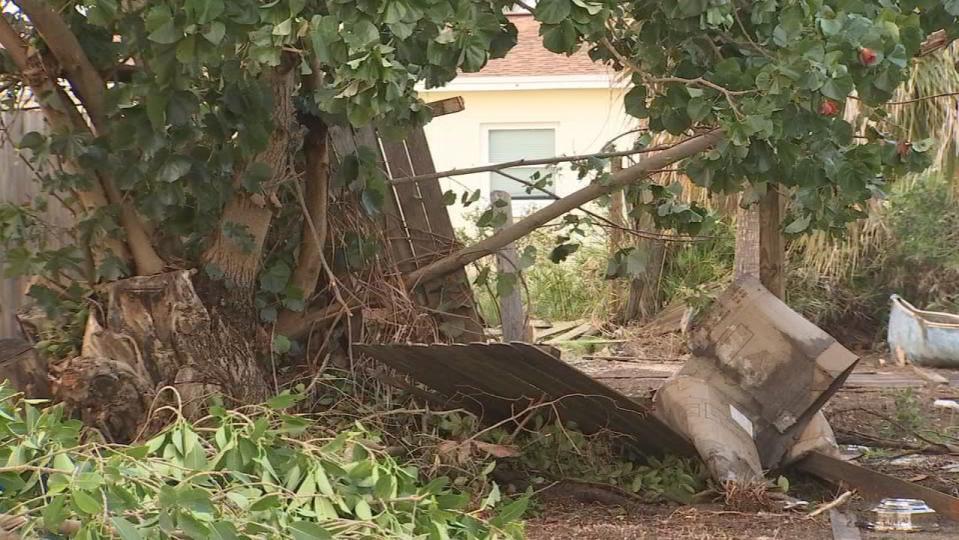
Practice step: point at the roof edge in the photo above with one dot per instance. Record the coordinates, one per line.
(527, 82)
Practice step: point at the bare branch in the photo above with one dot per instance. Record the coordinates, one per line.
(606, 222)
(523, 163)
(923, 98)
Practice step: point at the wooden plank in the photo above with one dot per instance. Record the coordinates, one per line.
(772, 246)
(572, 334)
(454, 291)
(843, 526)
(17, 187)
(877, 485)
(410, 360)
(512, 313)
(446, 106)
(408, 200)
(558, 328)
(395, 231)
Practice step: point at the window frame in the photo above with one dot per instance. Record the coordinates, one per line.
(485, 130)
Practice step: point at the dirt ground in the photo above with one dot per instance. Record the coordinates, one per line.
(884, 417)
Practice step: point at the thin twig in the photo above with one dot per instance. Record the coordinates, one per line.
(830, 505)
(525, 163)
(923, 98)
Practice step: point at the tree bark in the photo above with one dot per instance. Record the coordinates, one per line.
(543, 216)
(156, 333)
(239, 264)
(309, 263)
(644, 297)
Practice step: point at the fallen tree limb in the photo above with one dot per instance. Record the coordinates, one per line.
(524, 163)
(543, 216)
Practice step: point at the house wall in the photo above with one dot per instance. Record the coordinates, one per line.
(584, 120)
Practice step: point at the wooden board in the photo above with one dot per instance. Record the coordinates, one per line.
(875, 485)
(417, 223)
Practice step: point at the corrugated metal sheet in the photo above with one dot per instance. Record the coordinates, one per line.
(498, 380)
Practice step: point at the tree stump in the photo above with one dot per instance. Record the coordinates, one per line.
(156, 333)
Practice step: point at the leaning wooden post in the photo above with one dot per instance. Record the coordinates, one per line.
(512, 312)
(617, 215)
(760, 249)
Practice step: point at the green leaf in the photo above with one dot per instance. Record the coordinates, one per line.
(799, 225)
(362, 510)
(275, 277)
(32, 140)
(281, 344)
(552, 11)
(635, 102)
(166, 34)
(284, 28)
(186, 50)
(559, 38)
(125, 529)
(561, 252)
(265, 503)
(838, 88)
(512, 512)
(86, 503)
(306, 530)
(830, 27)
(215, 33)
(204, 11)
(156, 109)
(174, 169)
(692, 8)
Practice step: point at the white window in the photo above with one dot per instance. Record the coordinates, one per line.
(515, 144)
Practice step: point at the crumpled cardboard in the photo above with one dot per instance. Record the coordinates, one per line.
(750, 396)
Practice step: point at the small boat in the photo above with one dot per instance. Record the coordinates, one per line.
(924, 338)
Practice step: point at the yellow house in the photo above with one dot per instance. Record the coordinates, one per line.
(531, 104)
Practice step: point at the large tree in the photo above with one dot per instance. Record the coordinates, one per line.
(190, 140)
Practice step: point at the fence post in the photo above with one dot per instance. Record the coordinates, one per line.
(512, 312)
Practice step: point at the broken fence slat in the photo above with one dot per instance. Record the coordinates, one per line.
(877, 484)
(557, 328)
(579, 331)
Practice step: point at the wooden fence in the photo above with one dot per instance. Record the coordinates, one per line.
(415, 216)
(17, 185)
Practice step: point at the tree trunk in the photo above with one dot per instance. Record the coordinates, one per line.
(644, 297)
(238, 263)
(156, 332)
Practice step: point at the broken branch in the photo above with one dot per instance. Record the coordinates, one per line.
(525, 163)
(539, 218)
